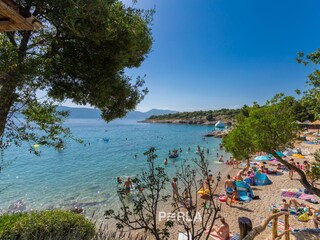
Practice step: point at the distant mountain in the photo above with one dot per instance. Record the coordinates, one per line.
(81, 112)
(94, 113)
(145, 115)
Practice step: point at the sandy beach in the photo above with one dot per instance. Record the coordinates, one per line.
(256, 210)
(259, 209)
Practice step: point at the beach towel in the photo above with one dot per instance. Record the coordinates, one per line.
(278, 206)
(280, 225)
(215, 236)
(304, 196)
(291, 194)
(299, 194)
(292, 190)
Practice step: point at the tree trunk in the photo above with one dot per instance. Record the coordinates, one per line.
(7, 98)
(259, 229)
(303, 178)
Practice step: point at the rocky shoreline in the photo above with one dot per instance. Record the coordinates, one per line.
(219, 133)
(214, 133)
(181, 121)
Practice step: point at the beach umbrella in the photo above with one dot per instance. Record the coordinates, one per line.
(297, 156)
(316, 122)
(263, 158)
(307, 122)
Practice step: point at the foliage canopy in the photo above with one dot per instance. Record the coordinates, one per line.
(80, 54)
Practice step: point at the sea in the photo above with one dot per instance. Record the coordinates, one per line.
(84, 174)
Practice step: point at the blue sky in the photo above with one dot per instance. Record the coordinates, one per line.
(209, 54)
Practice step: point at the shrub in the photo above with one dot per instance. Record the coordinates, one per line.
(317, 155)
(46, 225)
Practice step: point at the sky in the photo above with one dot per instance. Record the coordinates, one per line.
(212, 54)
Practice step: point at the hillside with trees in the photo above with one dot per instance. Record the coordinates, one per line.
(198, 117)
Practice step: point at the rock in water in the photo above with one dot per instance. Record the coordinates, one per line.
(16, 207)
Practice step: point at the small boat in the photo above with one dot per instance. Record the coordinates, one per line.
(173, 156)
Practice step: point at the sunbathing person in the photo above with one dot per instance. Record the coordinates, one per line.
(316, 219)
(301, 207)
(285, 206)
(221, 232)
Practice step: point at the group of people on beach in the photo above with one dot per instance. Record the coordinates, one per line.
(218, 231)
(305, 166)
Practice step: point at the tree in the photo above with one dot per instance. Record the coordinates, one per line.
(267, 129)
(311, 98)
(142, 212)
(79, 54)
(199, 214)
(314, 170)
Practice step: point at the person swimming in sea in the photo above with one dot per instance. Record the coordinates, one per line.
(165, 161)
(119, 180)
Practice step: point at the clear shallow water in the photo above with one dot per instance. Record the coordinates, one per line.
(85, 175)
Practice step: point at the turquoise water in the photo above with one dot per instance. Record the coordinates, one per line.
(85, 175)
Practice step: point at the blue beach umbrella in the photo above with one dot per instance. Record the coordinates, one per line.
(262, 158)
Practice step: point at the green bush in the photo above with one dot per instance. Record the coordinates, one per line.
(46, 225)
(317, 155)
